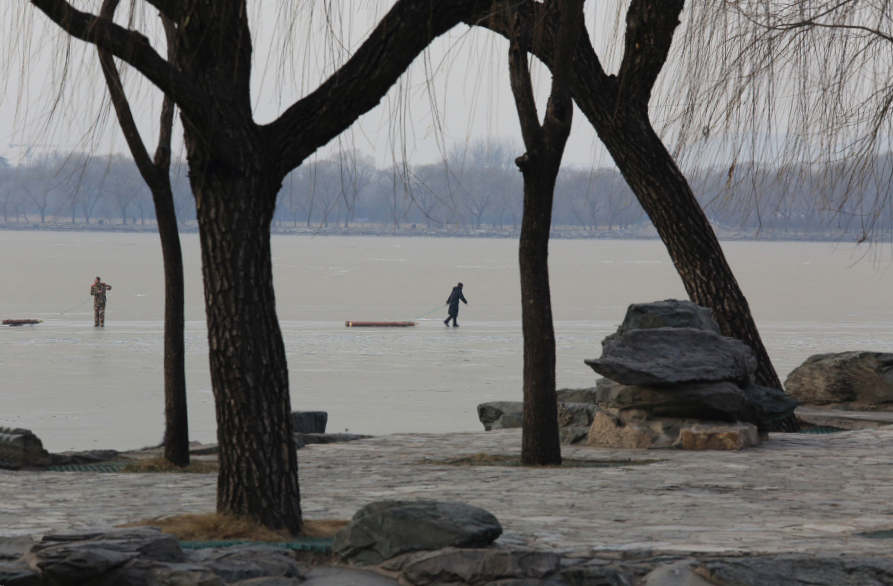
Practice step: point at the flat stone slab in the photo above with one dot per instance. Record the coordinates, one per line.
(795, 493)
(669, 356)
(849, 420)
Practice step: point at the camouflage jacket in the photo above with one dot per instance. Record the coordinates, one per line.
(97, 290)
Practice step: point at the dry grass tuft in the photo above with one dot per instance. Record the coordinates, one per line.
(163, 466)
(216, 527)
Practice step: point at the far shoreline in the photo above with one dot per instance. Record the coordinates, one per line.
(416, 231)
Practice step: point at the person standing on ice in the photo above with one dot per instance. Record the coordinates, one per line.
(97, 290)
(453, 301)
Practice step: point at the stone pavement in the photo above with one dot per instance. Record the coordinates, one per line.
(795, 493)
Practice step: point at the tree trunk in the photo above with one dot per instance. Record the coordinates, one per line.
(258, 464)
(683, 227)
(540, 443)
(176, 428)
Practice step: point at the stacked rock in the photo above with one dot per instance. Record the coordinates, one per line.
(671, 379)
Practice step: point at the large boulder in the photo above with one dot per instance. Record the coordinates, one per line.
(715, 400)
(670, 356)
(382, 530)
(766, 407)
(20, 448)
(309, 421)
(671, 313)
(857, 380)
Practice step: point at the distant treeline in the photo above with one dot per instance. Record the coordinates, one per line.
(474, 188)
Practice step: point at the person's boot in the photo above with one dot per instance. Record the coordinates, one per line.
(446, 322)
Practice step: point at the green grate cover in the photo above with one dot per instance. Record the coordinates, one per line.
(107, 467)
(822, 429)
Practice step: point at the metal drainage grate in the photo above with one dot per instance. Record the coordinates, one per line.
(312, 544)
(821, 430)
(107, 467)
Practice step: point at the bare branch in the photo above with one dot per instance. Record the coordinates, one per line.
(649, 35)
(358, 86)
(522, 87)
(131, 47)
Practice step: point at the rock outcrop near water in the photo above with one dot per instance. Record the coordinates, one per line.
(385, 529)
(858, 381)
(672, 380)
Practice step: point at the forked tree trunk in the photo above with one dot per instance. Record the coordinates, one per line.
(540, 444)
(258, 465)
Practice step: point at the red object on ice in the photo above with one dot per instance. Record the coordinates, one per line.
(380, 324)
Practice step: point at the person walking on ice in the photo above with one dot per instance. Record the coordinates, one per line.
(453, 301)
(98, 292)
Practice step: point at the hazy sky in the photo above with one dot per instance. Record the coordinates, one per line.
(458, 91)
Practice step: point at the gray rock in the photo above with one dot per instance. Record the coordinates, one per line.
(509, 414)
(670, 313)
(501, 414)
(233, 564)
(678, 574)
(857, 380)
(140, 572)
(669, 356)
(766, 407)
(329, 576)
(576, 414)
(19, 574)
(21, 448)
(309, 421)
(385, 529)
(714, 400)
(478, 566)
(588, 395)
(572, 435)
(800, 570)
(12, 548)
(82, 556)
(596, 576)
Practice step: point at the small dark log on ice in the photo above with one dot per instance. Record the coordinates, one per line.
(21, 322)
(380, 324)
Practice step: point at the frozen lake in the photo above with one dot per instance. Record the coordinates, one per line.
(80, 387)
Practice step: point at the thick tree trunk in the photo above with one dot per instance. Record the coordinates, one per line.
(682, 225)
(258, 464)
(540, 443)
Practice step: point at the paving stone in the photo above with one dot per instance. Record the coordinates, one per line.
(793, 493)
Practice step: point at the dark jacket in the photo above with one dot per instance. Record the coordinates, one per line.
(455, 297)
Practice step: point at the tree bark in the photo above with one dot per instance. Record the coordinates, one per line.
(258, 465)
(540, 444)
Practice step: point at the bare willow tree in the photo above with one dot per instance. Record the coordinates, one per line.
(539, 165)
(617, 106)
(802, 87)
(236, 169)
(156, 173)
